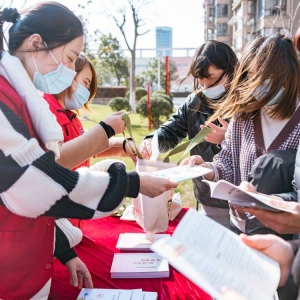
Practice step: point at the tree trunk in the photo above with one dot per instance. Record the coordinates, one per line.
(132, 81)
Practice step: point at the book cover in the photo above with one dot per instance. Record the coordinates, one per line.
(139, 265)
(225, 190)
(212, 257)
(138, 241)
(182, 172)
(104, 294)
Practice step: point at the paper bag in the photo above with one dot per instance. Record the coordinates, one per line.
(152, 214)
(175, 207)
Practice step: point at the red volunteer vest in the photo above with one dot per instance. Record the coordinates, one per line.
(26, 244)
(72, 128)
(67, 119)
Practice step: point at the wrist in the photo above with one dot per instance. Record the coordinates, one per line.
(108, 129)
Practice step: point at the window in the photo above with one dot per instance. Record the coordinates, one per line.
(271, 7)
(222, 29)
(222, 10)
(251, 7)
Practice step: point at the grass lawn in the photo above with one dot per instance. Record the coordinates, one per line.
(140, 129)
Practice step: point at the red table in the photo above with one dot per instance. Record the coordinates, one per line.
(97, 249)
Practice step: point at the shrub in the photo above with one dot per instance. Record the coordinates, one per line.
(139, 93)
(119, 103)
(163, 92)
(165, 96)
(159, 107)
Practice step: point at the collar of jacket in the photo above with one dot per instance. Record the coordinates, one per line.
(199, 104)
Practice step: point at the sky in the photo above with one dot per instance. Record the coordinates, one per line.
(184, 16)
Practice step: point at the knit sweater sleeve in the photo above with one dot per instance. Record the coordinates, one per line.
(33, 184)
(223, 160)
(67, 236)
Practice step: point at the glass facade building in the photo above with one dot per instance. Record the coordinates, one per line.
(164, 41)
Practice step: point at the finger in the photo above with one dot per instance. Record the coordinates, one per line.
(118, 113)
(172, 184)
(88, 280)
(80, 279)
(213, 126)
(258, 241)
(223, 122)
(73, 278)
(247, 186)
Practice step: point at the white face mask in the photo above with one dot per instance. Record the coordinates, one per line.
(262, 90)
(214, 92)
(53, 82)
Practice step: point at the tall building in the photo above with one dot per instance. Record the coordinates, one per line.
(164, 41)
(248, 18)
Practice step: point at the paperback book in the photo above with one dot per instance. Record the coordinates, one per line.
(225, 190)
(139, 265)
(213, 257)
(137, 241)
(115, 294)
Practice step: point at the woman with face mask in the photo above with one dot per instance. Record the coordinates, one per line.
(212, 67)
(44, 43)
(77, 96)
(263, 102)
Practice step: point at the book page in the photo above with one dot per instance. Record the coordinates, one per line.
(225, 190)
(182, 172)
(212, 257)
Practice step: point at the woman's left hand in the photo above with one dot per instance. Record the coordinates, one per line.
(79, 273)
(217, 135)
(128, 149)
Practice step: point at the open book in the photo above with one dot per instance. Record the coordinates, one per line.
(212, 256)
(225, 190)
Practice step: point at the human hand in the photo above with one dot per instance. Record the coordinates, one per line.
(197, 160)
(284, 222)
(79, 273)
(217, 135)
(193, 160)
(116, 122)
(229, 294)
(275, 248)
(128, 151)
(145, 148)
(152, 186)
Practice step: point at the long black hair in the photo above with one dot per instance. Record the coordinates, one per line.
(54, 22)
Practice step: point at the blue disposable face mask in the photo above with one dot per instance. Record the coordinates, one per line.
(262, 90)
(79, 98)
(54, 82)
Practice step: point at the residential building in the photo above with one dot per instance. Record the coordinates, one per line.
(164, 41)
(249, 18)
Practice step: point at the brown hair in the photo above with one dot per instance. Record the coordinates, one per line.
(80, 63)
(297, 39)
(273, 58)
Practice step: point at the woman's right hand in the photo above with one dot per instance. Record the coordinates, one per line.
(116, 122)
(274, 247)
(145, 148)
(152, 186)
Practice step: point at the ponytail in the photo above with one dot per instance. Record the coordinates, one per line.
(10, 15)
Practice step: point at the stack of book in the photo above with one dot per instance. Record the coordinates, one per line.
(139, 265)
(138, 241)
(113, 294)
